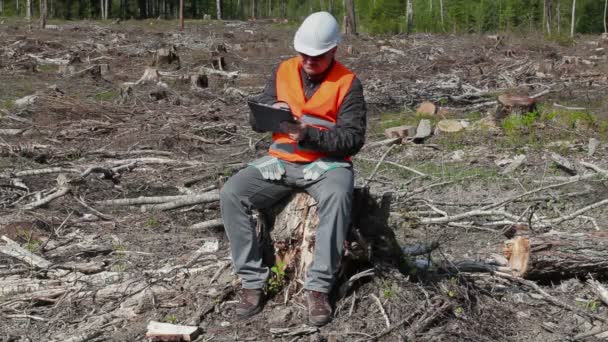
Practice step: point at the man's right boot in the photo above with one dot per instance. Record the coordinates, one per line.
(250, 303)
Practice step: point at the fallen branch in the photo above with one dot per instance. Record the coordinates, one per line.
(187, 200)
(396, 165)
(58, 193)
(386, 319)
(550, 298)
(141, 200)
(14, 250)
(216, 223)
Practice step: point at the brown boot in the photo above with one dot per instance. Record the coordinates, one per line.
(250, 303)
(319, 309)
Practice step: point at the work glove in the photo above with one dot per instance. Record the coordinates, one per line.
(271, 168)
(315, 169)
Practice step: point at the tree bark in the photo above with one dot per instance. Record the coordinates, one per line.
(253, 9)
(573, 18)
(43, 13)
(218, 7)
(556, 255)
(605, 10)
(410, 16)
(288, 234)
(181, 15)
(441, 13)
(28, 10)
(1, 7)
(350, 21)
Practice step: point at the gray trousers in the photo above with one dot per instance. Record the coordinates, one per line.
(248, 190)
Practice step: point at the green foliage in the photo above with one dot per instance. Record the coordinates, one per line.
(277, 278)
(515, 125)
(152, 222)
(119, 264)
(387, 289)
(31, 243)
(8, 104)
(106, 95)
(171, 318)
(377, 17)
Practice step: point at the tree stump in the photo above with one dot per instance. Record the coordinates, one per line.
(558, 255)
(288, 233)
(513, 104)
(166, 56)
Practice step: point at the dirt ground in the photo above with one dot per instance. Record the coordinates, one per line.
(116, 267)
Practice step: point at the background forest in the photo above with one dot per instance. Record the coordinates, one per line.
(554, 17)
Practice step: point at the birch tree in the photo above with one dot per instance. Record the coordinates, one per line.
(218, 7)
(28, 10)
(573, 18)
(410, 16)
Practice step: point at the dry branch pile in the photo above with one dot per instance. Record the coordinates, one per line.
(112, 151)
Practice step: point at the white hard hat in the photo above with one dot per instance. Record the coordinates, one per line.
(318, 34)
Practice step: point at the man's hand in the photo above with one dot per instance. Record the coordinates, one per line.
(296, 131)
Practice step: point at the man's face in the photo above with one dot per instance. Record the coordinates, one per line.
(318, 64)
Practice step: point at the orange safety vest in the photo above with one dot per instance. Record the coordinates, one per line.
(320, 111)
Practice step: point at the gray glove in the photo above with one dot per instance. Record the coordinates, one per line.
(271, 167)
(314, 170)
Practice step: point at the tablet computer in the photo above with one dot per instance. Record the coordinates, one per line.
(268, 118)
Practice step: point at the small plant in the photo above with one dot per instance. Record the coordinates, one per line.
(119, 250)
(106, 95)
(171, 318)
(152, 222)
(31, 243)
(277, 279)
(592, 305)
(387, 289)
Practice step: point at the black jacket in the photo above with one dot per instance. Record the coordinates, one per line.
(348, 136)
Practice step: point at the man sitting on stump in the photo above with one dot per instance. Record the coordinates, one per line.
(312, 155)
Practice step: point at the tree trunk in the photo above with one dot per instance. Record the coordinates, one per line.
(288, 235)
(17, 6)
(102, 7)
(1, 7)
(28, 10)
(558, 255)
(573, 18)
(218, 7)
(331, 6)
(441, 13)
(605, 10)
(253, 9)
(410, 16)
(350, 20)
(181, 15)
(558, 17)
(547, 11)
(43, 13)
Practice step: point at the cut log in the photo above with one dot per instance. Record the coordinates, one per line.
(171, 332)
(426, 108)
(513, 104)
(400, 132)
(558, 255)
(288, 233)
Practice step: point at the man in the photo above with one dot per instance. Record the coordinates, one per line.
(313, 154)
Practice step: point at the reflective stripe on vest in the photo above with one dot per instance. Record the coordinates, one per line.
(320, 111)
